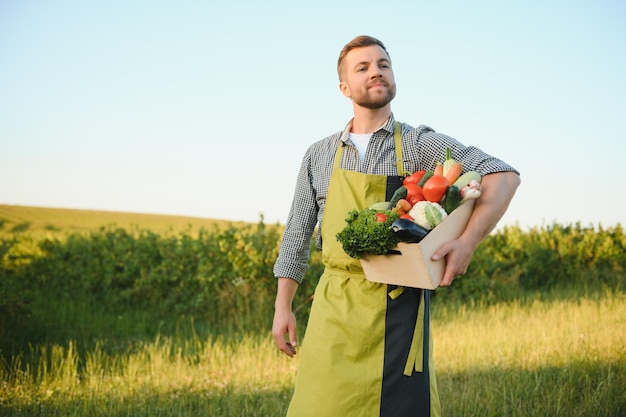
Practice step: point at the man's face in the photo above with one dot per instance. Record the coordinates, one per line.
(367, 77)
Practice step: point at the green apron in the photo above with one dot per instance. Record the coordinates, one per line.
(359, 348)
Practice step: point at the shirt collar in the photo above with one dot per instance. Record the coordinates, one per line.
(388, 127)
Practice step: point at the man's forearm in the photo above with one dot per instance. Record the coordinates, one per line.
(497, 191)
(286, 291)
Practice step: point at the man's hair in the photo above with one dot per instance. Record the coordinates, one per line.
(358, 42)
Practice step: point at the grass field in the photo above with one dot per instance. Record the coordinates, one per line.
(558, 354)
(57, 222)
(550, 358)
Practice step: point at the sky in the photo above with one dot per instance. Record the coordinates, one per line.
(205, 108)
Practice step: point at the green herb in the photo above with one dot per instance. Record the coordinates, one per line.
(363, 235)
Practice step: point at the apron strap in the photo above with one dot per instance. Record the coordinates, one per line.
(397, 139)
(416, 352)
(338, 155)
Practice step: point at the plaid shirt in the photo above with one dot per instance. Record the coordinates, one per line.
(422, 147)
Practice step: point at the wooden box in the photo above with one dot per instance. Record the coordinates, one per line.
(409, 264)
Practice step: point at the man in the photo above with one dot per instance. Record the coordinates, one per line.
(356, 359)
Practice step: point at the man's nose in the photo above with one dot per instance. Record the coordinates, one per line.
(376, 72)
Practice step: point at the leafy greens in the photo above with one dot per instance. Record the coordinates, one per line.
(365, 235)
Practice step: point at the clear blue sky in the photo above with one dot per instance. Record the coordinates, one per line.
(205, 108)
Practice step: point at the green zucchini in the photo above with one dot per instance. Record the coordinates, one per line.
(425, 178)
(399, 194)
(452, 199)
(465, 179)
(381, 206)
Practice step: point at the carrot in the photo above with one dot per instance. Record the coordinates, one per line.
(438, 169)
(403, 206)
(454, 172)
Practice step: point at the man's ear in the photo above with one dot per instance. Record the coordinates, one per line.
(345, 90)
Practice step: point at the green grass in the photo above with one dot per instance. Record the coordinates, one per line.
(559, 353)
(536, 358)
(191, 377)
(58, 222)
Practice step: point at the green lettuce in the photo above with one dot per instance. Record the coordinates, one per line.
(365, 235)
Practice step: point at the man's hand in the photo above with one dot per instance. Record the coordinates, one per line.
(458, 255)
(284, 327)
(284, 332)
(497, 190)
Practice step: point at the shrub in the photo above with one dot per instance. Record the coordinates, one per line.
(223, 277)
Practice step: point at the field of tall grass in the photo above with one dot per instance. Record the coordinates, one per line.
(543, 358)
(533, 358)
(149, 322)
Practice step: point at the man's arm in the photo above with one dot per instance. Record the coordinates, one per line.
(497, 191)
(284, 320)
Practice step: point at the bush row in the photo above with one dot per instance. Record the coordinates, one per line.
(224, 277)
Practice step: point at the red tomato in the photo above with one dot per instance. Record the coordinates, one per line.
(414, 178)
(416, 199)
(407, 216)
(381, 217)
(435, 188)
(413, 193)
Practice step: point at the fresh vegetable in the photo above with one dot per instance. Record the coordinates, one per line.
(364, 235)
(474, 184)
(451, 169)
(425, 178)
(381, 217)
(414, 178)
(435, 188)
(448, 162)
(438, 169)
(421, 203)
(380, 206)
(428, 214)
(408, 231)
(469, 193)
(402, 207)
(452, 199)
(397, 195)
(454, 172)
(465, 179)
(414, 193)
(417, 198)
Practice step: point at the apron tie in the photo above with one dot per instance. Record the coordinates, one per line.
(416, 351)
(395, 293)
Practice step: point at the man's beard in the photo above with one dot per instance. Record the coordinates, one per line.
(376, 103)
